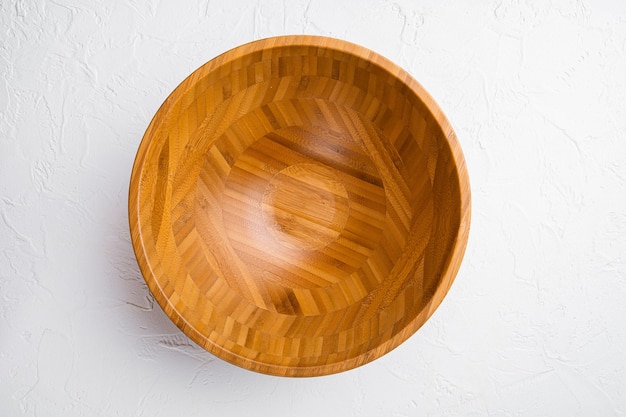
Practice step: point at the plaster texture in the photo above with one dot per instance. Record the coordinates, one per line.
(534, 324)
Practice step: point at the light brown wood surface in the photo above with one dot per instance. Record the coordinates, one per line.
(299, 206)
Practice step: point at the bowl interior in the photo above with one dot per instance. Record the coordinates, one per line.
(299, 206)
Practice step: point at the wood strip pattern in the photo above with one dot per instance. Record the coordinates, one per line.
(299, 206)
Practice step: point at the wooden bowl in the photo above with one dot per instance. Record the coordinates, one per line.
(299, 206)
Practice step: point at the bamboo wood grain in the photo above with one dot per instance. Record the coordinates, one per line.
(299, 206)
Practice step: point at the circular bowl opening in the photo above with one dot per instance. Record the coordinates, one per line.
(299, 206)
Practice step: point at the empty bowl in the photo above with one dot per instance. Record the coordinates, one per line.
(299, 206)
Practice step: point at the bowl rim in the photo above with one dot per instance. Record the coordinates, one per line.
(451, 264)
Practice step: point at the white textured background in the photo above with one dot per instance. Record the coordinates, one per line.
(535, 324)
